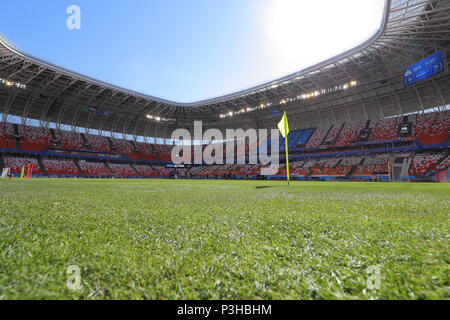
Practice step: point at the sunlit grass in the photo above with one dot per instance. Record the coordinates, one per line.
(160, 239)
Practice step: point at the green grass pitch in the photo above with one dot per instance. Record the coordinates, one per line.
(166, 239)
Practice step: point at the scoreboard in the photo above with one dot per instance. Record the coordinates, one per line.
(424, 69)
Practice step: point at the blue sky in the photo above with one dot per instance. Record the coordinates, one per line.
(189, 50)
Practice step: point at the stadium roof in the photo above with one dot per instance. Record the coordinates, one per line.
(359, 84)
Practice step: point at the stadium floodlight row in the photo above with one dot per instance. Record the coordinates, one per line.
(360, 84)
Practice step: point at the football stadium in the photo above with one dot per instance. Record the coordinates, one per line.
(109, 193)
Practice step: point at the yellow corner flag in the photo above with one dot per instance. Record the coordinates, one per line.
(22, 172)
(283, 126)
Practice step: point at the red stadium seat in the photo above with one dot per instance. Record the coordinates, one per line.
(61, 167)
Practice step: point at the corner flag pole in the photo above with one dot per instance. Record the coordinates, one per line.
(287, 150)
(283, 126)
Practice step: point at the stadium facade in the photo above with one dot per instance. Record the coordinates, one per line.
(345, 109)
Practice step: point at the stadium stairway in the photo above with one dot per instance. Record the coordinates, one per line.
(78, 167)
(153, 168)
(338, 134)
(134, 146)
(2, 162)
(406, 166)
(335, 139)
(338, 164)
(156, 153)
(354, 168)
(351, 172)
(140, 154)
(134, 168)
(137, 150)
(427, 172)
(367, 129)
(310, 173)
(199, 170)
(111, 144)
(17, 137)
(325, 137)
(130, 143)
(85, 142)
(54, 139)
(41, 165)
(18, 144)
(215, 170)
(109, 168)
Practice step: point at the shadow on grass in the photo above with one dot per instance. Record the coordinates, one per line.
(267, 187)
